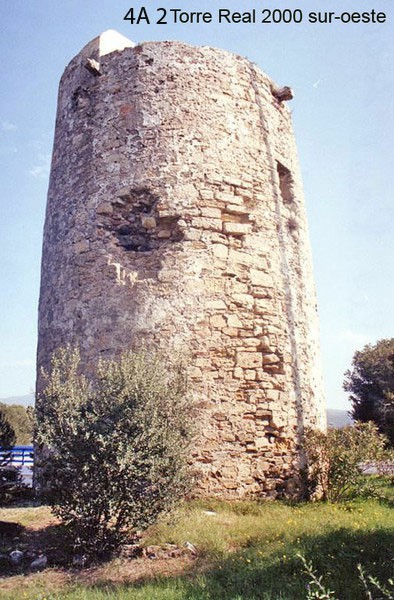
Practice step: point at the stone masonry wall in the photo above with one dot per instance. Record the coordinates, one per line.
(176, 215)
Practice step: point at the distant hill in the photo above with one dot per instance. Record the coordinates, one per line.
(21, 400)
(338, 418)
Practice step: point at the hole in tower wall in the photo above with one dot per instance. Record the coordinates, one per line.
(80, 98)
(137, 223)
(286, 183)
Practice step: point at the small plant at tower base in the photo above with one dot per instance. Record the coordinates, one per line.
(114, 446)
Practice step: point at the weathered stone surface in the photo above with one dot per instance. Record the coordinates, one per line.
(237, 229)
(148, 222)
(249, 360)
(209, 211)
(260, 278)
(216, 305)
(80, 247)
(234, 321)
(169, 222)
(105, 209)
(220, 250)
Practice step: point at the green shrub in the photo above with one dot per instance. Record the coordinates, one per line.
(10, 477)
(336, 458)
(20, 418)
(370, 383)
(373, 589)
(114, 447)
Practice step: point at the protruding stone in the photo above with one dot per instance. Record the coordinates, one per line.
(16, 557)
(209, 211)
(190, 548)
(93, 66)
(236, 229)
(269, 359)
(282, 94)
(39, 563)
(148, 222)
(164, 234)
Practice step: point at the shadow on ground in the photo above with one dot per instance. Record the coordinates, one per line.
(260, 570)
(49, 540)
(251, 574)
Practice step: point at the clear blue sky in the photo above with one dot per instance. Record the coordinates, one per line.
(343, 115)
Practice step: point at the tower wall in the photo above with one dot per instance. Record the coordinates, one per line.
(176, 216)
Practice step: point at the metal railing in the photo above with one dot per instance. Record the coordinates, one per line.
(20, 456)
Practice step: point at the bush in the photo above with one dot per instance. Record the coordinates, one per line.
(316, 589)
(114, 447)
(336, 458)
(10, 477)
(370, 383)
(20, 418)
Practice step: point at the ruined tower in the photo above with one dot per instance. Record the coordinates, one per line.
(176, 216)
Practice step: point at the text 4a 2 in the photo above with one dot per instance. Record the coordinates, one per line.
(178, 16)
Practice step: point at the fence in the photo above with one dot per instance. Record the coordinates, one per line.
(22, 457)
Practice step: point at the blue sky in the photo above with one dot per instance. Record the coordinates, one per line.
(343, 113)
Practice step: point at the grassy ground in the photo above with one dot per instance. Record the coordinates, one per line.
(245, 551)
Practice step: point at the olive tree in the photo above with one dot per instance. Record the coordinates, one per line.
(370, 383)
(336, 459)
(114, 445)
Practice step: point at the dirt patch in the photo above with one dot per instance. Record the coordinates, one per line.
(116, 572)
(134, 570)
(41, 534)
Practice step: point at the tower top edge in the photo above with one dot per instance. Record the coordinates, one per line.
(111, 41)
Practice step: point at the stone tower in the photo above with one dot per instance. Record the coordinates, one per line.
(176, 216)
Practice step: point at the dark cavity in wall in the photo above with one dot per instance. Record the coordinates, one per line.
(286, 183)
(136, 223)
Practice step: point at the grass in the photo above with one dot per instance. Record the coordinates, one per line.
(246, 551)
